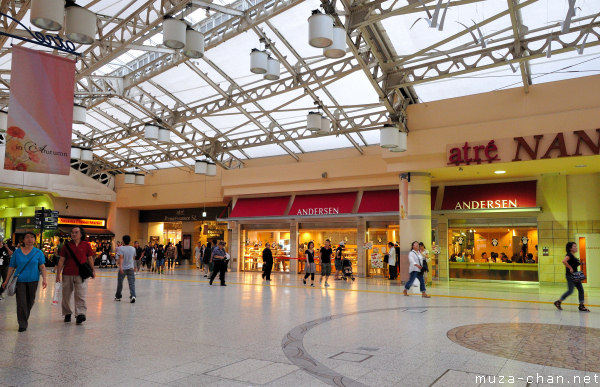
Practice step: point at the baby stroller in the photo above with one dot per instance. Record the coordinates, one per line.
(104, 260)
(347, 269)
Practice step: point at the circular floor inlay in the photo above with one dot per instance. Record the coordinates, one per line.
(564, 346)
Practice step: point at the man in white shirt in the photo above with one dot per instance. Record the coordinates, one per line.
(125, 260)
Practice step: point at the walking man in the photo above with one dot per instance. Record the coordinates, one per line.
(68, 273)
(125, 258)
(138, 256)
(267, 257)
(326, 253)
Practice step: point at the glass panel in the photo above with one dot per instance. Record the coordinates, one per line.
(318, 236)
(380, 237)
(254, 244)
(497, 253)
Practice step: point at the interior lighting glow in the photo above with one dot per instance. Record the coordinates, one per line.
(499, 172)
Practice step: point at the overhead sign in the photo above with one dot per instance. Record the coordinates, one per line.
(84, 222)
(490, 196)
(537, 147)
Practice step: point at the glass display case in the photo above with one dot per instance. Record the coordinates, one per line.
(254, 244)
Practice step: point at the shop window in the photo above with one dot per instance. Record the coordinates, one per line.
(335, 236)
(499, 253)
(254, 244)
(378, 239)
(172, 232)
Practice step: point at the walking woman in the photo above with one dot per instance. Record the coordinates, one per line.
(309, 255)
(425, 259)
(571, 264)
(28, 262)
(416, 265)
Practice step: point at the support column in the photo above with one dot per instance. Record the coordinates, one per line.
(236, 245)
(361, 232)
(417, 225)
(293, 247)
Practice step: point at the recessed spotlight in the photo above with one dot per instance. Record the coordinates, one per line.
(499, 172)
(31, 194)
(581, 166)
(7, 191)
(11, 196)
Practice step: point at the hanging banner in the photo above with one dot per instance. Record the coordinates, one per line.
(403, 198)
(40, 112)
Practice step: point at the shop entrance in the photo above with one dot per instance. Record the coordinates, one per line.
(378, 237)
(336, 236)
(254, 242)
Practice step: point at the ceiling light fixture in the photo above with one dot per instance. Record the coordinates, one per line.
(174, 33)
(499, 172)
(79, 114)
(337, 49)
(259, 61)
(580, 166)
(320, 29)
(80, 23)
(47, 14)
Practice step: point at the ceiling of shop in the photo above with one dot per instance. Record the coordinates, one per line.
(11, 193)
(216, 108)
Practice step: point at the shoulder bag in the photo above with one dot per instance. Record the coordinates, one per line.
(577, 276)
(85, 270)
(11, 288)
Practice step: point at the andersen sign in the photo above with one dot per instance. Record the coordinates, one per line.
(521, 194)
(537, 147)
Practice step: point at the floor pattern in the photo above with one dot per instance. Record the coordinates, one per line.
(564, 346)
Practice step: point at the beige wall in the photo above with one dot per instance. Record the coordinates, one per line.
(81, 208)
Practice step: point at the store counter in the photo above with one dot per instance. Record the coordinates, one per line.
(495, 271)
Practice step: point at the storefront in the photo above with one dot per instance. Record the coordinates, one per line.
(186, 226)
(491, 231)
(290, 222)
(100, 238)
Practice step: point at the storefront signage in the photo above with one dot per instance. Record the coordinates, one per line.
(318, 211)
(323, 204)
(84, 222)
(537, 147)
(475, 154)
(182, 214)
(490, 196)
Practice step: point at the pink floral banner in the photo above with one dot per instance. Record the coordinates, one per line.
(40, 112)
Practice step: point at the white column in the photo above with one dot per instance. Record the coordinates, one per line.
(417, 225)
(236, 245)
(361, 232)
(293, 247)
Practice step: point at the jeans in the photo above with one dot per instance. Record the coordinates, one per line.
(418, 275)
(130, 273)
(569, 291)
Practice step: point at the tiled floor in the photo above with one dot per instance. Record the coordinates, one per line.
(183, 332)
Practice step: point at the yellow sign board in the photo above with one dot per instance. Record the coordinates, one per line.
(82, 222)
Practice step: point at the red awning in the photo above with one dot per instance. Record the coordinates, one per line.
(260, 207)
(323, 204)
(380, 201)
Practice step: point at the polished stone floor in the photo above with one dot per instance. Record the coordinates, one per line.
(183, 332)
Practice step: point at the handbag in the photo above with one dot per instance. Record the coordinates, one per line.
(85, 270)
(577, 276)
(11, 288)
(386, 258)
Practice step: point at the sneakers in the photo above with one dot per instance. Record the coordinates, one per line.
(304, 280)
(558, 304)
(132, 300)
(205, 275)
(22, 329)
(67, 318)
(223, 284)
(312, 285)
(326, 284)
(582, 308)
(210, 282)
(80, 319)
(117, 299)
(405, 292)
